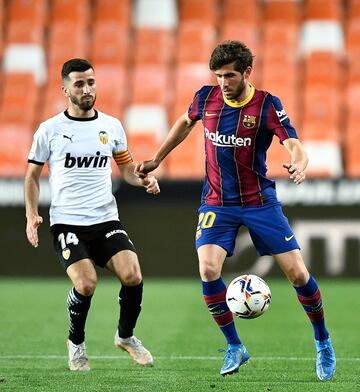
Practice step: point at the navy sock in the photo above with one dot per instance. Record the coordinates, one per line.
(310, 298)
(214, 294)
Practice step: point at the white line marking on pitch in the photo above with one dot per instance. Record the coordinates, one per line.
(172, 357)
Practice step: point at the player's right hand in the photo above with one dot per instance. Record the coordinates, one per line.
(145, 167)
(32, 229)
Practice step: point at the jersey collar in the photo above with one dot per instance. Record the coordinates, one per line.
(242, 103)
(94, 117)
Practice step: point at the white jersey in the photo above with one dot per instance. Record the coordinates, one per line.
(79, 153)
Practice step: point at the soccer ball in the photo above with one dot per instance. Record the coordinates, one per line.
(248, 296)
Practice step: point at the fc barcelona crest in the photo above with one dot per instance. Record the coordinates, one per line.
(249, 121)
(103, 136)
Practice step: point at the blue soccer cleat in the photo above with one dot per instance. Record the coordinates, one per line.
(236, 355)
(325, 359)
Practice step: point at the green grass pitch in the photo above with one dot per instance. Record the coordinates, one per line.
(184, 340)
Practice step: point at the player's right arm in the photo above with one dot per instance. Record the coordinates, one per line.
(32, 191)
(178, 132)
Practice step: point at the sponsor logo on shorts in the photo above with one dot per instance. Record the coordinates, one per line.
(113, 232)
(289, 238)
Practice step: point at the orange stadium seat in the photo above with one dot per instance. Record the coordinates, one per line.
(322, 102)
(277, 155)
(19, 99)
(146, 126)
(110, 43)
(322, 107)
(280, 40)
(352, 95)
(108, 11)
(323, 9)
(111, 88)
(143, 145)
(76, 12)
(65, 42)
(353, 38)
(14, 149)
(240, 21)
(352, 29)
(187, 161)
(282, 11)
(322, 114)
(2, 11)
(188, 79)
(190, 50)
(241, 11)
(280, 52)
(205, 11)
(151, 85)
(351, 148)
(153, 46)
(54, 100)
(323, 69)
(26, 21)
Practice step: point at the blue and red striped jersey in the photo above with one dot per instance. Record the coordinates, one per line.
(237, 136)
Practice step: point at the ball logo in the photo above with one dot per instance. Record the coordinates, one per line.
(103, 136)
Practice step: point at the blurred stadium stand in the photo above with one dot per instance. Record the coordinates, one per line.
(150, 56)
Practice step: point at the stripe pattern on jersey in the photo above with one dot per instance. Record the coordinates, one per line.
(122, 157)
(237, 137)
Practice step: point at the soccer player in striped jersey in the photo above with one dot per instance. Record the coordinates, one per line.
(239, 125)
(79, 145)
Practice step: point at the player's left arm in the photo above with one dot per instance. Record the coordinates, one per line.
(298, 162)
(149, 182)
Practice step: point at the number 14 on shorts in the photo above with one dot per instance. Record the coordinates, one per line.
(70, 238)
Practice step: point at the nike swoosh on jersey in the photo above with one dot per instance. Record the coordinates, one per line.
(207, 114)
(289, 238)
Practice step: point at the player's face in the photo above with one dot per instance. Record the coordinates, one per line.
(81, 89)
(232, 82)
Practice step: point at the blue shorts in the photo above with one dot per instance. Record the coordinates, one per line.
(268, 227)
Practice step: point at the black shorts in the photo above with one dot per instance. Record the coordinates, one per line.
(97, 242)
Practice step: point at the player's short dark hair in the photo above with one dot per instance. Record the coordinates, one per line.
(229, 52)
(75, 65)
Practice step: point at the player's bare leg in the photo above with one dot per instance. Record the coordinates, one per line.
(126, 267)
(309, 296)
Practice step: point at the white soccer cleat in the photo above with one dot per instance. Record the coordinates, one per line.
(78, 360)
(135, 348)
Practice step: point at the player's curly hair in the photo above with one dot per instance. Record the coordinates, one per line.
(75, 65)
(229, 52)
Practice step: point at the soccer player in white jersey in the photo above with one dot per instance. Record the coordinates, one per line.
(78, 145)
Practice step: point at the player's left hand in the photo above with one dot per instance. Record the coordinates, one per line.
(296, 174)
(151, 184)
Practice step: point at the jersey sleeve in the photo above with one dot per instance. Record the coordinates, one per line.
(40, 149)
(193, 111)
(278, 121)
(121, 152)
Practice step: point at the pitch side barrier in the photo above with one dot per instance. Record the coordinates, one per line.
(325, 216)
